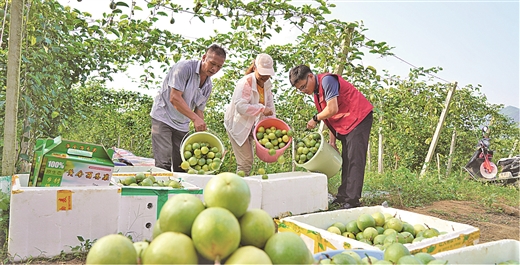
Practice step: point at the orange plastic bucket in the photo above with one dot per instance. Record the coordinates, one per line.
(261, 151)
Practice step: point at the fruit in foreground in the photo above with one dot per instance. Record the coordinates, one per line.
(409, 259)
(288, 248)
(248, 255)
(179, 212)
(216, 233)
(343, 258)
(395, 251)
(256, 227)
(140, 247)
(170, 248)
(424, 257)
(156, 231)
(228, 190)
(112, 249)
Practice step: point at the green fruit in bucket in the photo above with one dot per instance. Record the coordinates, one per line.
(272, 152)
(215, 165)
(187, 154)
(195, 146)
(185, 165)
(197, 152)
(268, 145)
(188, 147)
(193, 161)
(204, 150)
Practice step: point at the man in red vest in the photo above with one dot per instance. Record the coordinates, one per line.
(348, 115)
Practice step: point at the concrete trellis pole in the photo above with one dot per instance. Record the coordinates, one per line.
(437, 133)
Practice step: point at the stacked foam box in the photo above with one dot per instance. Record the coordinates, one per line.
(486, 253)
(313, 229)
(140, 206)
(44, 221)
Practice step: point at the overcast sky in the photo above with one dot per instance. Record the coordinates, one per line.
(475, 42)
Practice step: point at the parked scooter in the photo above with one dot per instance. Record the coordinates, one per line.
(481, 167)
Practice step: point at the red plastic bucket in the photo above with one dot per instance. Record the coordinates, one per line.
(261, 151)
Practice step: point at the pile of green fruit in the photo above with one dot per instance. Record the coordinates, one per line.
(201, 158)
(273, 138)
(146, 179)
(382, 230)
(307, 147)
(396, 253)
(222, 230)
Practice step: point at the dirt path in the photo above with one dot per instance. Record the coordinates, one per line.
(495, 223)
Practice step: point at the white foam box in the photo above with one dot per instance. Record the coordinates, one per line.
(312, 228)
(44, 221)
(293, 193)
(128, 171)
(281, 194)
(140, 207)
(485, 253)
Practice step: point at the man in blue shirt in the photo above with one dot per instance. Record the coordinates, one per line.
(182, 99)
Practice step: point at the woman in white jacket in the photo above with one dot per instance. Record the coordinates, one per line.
(252, 101)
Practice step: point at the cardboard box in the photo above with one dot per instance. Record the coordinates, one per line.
(140, 207)
(59, 162)
(486, 253)
(312, 228)
(46, 221)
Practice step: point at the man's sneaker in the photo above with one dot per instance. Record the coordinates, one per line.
(347, 205)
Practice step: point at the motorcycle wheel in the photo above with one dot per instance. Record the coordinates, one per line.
(488, 175)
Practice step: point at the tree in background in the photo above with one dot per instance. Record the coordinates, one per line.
(68, 55)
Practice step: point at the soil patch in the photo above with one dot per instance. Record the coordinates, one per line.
(495, 223)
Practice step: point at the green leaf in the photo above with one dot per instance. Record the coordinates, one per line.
(25, 157)
(55, 114)
(121, 4)
(114, 31)
(3, 206)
